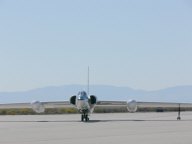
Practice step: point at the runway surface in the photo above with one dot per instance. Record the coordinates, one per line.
(124, 128)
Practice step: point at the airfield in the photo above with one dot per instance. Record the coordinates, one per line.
(116, 128)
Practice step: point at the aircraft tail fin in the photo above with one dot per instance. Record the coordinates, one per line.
(88, 82)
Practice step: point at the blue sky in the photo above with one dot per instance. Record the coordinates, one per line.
(139, 44)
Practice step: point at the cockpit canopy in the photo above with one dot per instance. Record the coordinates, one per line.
(82, 95)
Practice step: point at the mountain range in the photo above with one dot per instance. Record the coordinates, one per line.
(103, 92)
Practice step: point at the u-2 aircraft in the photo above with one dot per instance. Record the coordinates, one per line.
(85, 105)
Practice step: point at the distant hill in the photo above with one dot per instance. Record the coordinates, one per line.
(103, 92)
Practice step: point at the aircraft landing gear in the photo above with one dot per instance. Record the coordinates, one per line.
(179, 112)
(84, 117)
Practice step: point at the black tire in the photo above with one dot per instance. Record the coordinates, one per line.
(178, 118)
(86, 118)
(82, 117)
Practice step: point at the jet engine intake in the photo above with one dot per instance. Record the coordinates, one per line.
(73, 100)
(132, 106)
(93, 99)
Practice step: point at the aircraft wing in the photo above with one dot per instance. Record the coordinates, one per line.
(163, 104)
(56, 104)
(132, 106)
(62, 104)
(15, 105)
(111, 103)
(143, 104)
(37, 106)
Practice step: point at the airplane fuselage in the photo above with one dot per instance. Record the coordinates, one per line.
(84, 104)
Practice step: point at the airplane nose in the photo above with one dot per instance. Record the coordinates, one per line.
(81, 98)
(81, 104)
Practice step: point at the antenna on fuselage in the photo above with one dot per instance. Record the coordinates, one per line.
(88, 82)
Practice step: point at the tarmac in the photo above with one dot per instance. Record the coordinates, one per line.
(116, 128)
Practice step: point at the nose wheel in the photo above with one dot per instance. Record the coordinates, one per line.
(84, 117)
